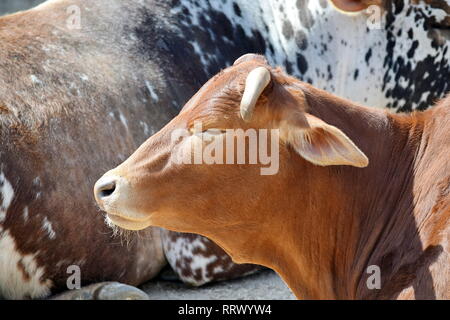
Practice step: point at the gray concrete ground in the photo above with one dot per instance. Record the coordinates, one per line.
(263, 285)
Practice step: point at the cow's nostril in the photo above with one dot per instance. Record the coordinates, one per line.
(105, 188)
(107, 192)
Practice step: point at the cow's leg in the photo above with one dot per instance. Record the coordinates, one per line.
(103, 291)
(197, 260)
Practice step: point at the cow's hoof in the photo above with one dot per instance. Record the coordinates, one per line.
(104, 291)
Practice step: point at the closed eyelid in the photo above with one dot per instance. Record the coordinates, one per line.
(208, 130)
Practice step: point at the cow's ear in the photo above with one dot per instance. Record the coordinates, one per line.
(323, 144)
(355, 5)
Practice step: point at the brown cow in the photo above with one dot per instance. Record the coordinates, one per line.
(328, 222)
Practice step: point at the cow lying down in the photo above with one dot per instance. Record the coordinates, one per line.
(357, 206)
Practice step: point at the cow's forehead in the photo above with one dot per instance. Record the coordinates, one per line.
(212, 87)
(228, 83)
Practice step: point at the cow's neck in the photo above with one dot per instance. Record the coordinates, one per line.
(327, 255)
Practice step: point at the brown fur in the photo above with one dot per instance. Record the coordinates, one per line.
(318, 227)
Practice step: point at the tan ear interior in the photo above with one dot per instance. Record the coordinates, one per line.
(324, 145)
(354, 5)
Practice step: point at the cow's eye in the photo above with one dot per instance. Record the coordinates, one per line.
(212, 132)
(201, 130)
(215, 131)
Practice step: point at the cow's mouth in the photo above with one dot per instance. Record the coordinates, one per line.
(128, 223)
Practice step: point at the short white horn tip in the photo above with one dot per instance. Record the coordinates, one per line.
(245, 115)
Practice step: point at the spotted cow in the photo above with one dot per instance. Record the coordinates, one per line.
(127, 68)
(394, 55)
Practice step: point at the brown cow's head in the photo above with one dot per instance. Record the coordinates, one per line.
(155, 188)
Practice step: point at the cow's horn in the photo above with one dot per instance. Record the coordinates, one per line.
(257, 80)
